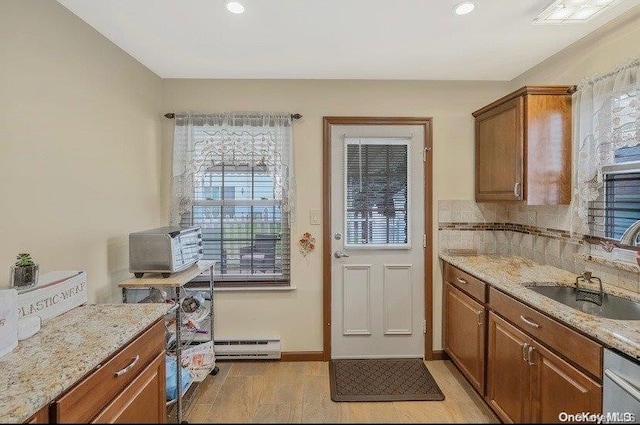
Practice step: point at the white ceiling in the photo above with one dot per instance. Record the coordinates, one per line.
(328, 39)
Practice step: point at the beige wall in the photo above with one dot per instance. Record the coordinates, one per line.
(297, 316)
(596, 53)
(79, 145)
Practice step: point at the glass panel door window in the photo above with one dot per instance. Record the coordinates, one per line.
(377, 193)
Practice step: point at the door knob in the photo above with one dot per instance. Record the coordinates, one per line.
(340, 254)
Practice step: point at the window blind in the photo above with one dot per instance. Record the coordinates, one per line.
(619, 206)
(376, 193)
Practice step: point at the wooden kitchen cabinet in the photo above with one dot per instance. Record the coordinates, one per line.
(531, 366)
(139, 401)
(526, 382)
(523, 147)
(508, 377)
(464, 334)
(560, 387)
(464, 324)
(577, 348)
(127, 387)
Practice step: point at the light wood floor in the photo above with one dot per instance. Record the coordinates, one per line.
(294, 392)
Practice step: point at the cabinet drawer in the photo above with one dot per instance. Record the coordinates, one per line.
(466, 283)
(86, 399)
(142, 401)
(574, 346)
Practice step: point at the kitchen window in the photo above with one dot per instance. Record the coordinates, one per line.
(236, 185)
(622, 192)
(607, 141)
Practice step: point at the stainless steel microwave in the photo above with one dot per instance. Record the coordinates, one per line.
(164, 250)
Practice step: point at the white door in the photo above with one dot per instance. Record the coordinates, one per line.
(377, 218)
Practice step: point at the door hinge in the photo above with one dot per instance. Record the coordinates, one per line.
(424, 240)
(424, 326)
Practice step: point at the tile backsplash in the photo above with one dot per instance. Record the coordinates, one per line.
(540, 233)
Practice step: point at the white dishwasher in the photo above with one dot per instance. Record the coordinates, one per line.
(621, 388)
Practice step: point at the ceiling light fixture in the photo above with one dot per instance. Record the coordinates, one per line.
(572, 11)
(464, 8)
(235, 7)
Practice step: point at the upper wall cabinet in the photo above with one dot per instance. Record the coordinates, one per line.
(523, 147)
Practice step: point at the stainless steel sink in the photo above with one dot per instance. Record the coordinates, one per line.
(612, 307)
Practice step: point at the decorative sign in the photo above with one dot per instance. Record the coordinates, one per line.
(8, 321)
(56, 293)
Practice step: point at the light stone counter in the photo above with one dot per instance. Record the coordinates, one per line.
(509, 273)
(66, 349)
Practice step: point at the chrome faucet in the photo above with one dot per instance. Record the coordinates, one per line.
(630, 236)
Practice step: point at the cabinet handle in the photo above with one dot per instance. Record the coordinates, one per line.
(529, 352)
(516, 189)
(459, 279)
(529, 322)
(480, 314)
(524, 351)
(129, 366)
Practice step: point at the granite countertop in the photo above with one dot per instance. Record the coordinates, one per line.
(509, 273)
(66, 349)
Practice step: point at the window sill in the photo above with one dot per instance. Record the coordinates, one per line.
(256, 289)
(617, 263)
(247, 287)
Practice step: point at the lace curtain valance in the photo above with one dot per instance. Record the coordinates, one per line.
(606, 114)
(244, 141)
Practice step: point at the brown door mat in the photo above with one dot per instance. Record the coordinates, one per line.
(382, 380)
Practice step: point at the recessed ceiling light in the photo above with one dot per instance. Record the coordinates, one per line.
(464, 8)
(235, 7)
(572, 11)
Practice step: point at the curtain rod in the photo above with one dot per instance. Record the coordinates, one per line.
(171, 116)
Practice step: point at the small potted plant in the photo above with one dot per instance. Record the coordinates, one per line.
(24, 273)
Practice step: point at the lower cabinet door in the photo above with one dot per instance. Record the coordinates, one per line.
(560, 389)
(142, 401)
(508, 374)
(465, 334)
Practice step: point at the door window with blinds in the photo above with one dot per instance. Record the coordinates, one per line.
(377, 193)
(238, 195)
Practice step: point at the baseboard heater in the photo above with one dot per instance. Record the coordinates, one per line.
(247, 348)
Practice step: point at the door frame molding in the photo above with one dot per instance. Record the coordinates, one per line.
(328, 122)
